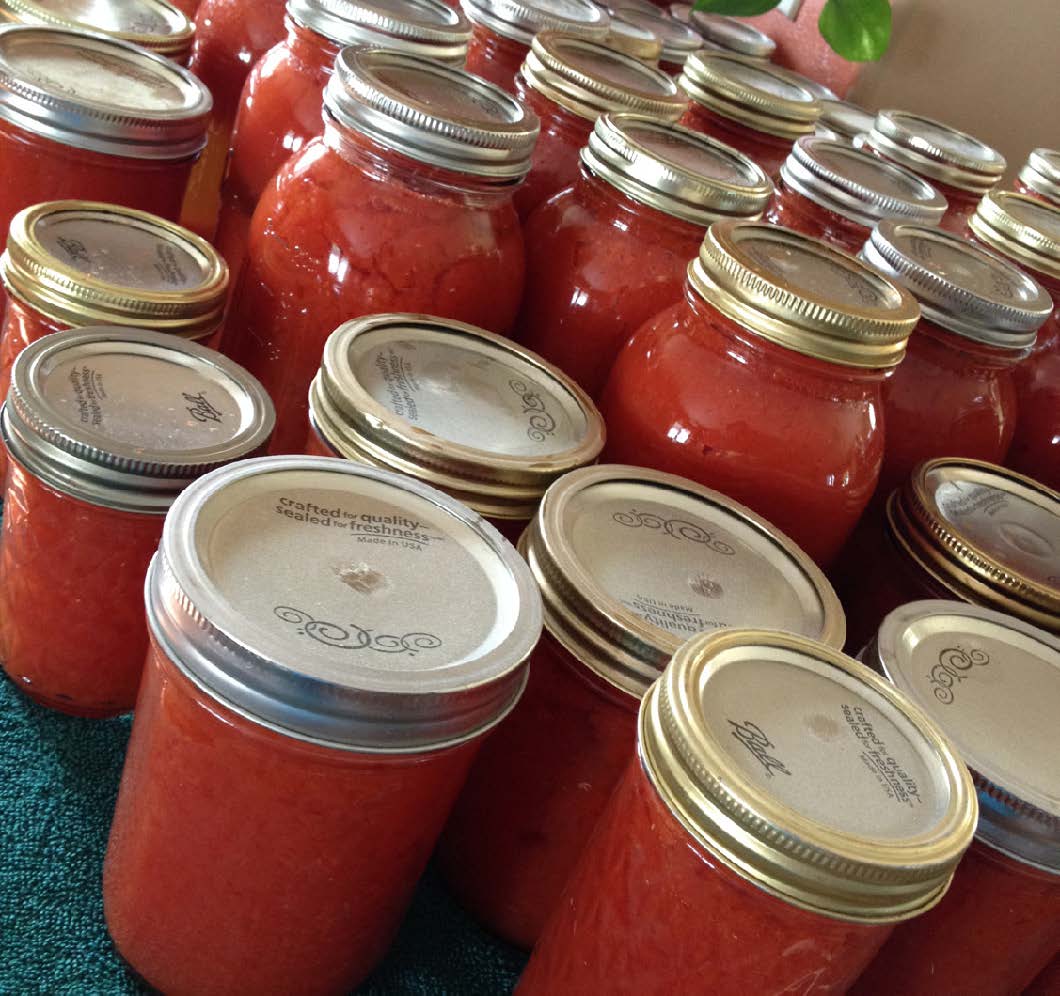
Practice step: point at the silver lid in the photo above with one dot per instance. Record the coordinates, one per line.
(520, 20)
(816, 87)
(1041, 172)
(992, 684)
(432, 113)
(844, 121)
(429, 29)
(96, 93)
(675, 170)
(128, 419)
(960, 286)
(858, 185)
(732, 35)
(343, 604)
(678, 40)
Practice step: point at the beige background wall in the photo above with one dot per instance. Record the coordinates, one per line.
(989, 67)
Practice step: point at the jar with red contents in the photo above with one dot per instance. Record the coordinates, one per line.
(187, 7)
(784, 809)
(103, 428)
(757, 109)
(980, 675)
(85, 116)
(1027, 232)
(678, 41)
(731, 36)
(954, 394)
(404, 204)
(766, 381)
(454, 406)
(965, 530)
(569, 83)
(961, 166)
(280, 109)
(618, 242)
(502, 30)
(1048, 982)
(152, 24)
(630, 563)
(336, 718)
(831, 191)
(1039, 176)
(843, 121)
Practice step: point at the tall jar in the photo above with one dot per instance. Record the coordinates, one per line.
(501, 32)
(843, 121)
(280, 108)
(758, 110)
(677, 40)
(785, 808)
(980, 675)
(568, 83)
(296, 749)
(832, 191)
(730, 35)
(1027, 232)
(766, 381)
(1039, 176)
(619, 240)
(452, 405)
(404, 204)
(630, 562)
(103, 428)
(961, 166)
(964, 530)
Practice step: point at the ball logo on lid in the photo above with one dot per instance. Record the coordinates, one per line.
(953, 665)
(751, 736)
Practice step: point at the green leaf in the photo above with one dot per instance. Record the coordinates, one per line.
(858, 30)
(735, 8)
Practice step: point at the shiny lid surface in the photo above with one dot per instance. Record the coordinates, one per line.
(432, 113)
(807, 774)
(151, 24)
(591, 78)
(631, 562)
(981, 675)
(87, 263)
(678, 40)
(988, 534)
(1041, 172)
(675, 170)
(1022, 228)
(803, 294)
(127, 419)
(959, 285)
(762, 97)
(429, 29)
(732, 35)
(842, 120)
(937, 151)
(625, 36)
(343, 604)
(100, 94)
(858, 185)
(520, 20)
(451, 404)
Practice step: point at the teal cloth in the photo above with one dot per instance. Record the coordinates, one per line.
(58, 782)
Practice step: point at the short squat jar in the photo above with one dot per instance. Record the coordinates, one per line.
(103, 428)
(619, 240)
(452, 405)
(1039, 176)
(766, 381)
(296, 748)
(727, 861)
(758, 110)
(959, 165)
(280, 108)
(980, 675)
(832, 191)
(630, 562)
(568, 83)
(501, 32)
(677, 41)
(404, 204)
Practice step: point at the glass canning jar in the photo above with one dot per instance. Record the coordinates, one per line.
(1039, 176)
(617, 243)
(766, 381)
(630, 562)
(677, 40)
(961, 166)
(280, 110)
(404, 204)
(843, 121)
(731, 35)
(568, 83)
(784, 809)
(452, 405)
(980, 675)
(832, 191)
(759, 110)
(296, 748)
(103, 428)
(625, 36)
